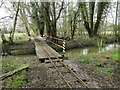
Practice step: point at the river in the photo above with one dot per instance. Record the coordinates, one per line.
(90, 50)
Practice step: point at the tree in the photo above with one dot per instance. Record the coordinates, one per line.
(24, 18)
(116, 19)
(90, 24)
(37, 17)
(2, 37)
(52, 16)
(46, 6)
(73, 14)
(15, 22)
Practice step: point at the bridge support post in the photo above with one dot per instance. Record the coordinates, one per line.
(63, 49)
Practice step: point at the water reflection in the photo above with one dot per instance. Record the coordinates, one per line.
(85, 51)
(88, 50)
(111, 46)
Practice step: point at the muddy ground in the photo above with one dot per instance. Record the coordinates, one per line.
(40, 75)
(101, 78)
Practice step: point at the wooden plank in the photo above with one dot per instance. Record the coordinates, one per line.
(40, 51)
(3, 76)
(52, 52)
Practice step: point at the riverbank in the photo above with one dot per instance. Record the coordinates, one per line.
(85, 42)
(27, 47)
(103, 68)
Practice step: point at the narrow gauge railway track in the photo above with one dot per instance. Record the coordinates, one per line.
(66, 67)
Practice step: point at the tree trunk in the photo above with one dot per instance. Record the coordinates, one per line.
(24, 19)
(74, 26)
(101, 6)
(54, 21)
(54, 29)
(46, 6)
(92, 6)
(15, 22)
(115, 27)
(3, 38)
(89, 26)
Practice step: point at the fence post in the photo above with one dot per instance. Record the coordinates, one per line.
(63, 47)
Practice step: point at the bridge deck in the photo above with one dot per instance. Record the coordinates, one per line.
(41, 46)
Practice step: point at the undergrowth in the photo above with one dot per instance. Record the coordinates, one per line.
(17, 80)
(116, 55)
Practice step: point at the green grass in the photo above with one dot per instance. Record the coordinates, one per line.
(17, 36)
(109, 70)
(9, 65)
(97, 63)
(84, 61)
(86, 58)
(17, 83)
(115, 56)
(19, 79)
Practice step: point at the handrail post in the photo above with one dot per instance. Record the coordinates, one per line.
(63, 48)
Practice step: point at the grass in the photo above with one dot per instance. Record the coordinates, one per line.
(17, 36)
(85, 58)
(84, 61)
(96, 57)
(108, 70)
(15, 81)
(9, 64)
(115, 55)
(19, 79)
(97, 63)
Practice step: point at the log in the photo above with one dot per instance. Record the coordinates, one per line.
(3, 76)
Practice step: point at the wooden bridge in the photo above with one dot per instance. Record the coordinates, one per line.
(41, 47)
(45, 52)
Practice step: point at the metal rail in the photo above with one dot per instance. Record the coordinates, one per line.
(71, 72)
(56, 68)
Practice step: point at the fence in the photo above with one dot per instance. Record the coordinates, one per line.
(63, 46)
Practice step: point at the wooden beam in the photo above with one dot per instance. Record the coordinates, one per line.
(3, 76)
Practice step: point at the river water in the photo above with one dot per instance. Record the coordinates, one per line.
(90, 50)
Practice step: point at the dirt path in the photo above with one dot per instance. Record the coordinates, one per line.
(41, 75)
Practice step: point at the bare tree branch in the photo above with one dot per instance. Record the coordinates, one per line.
(6, 17)
(2, 2)
(60, 11)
